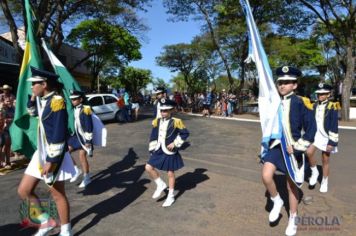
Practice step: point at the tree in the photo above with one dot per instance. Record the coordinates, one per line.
(159, 82)
(51, 16)
(107, 45)
(339, 19)
(183, 58)
(301, 53)
(134, 79)
(202, 10)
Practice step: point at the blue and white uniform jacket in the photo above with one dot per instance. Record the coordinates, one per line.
(53, 120)
(165, 132)
(156, 109)
(83, 123)
(326, 116)
(298, 121)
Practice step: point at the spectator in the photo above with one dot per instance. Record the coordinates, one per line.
(207, 103)
(121, 105)
(9, 111)
(6, 89)
(135, 106)
(231, 104)
(2, 138)
(179, 100)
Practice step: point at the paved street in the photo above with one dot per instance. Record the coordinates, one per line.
(219, 192)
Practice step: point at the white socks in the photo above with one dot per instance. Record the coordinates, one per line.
(292, 226)
(324, 185)
(277, 206)
(170, 198)
(161, 186)
(66, 230)
(314, 176)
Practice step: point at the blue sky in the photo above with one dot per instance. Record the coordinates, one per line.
(162, 33)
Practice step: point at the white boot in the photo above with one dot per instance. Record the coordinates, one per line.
(324, 185)
(314, 176)
(161, 186)
(66, 230)
(292, 226)
(86, 181)
(170, 199)
(78, 172)
(277, 206)
(46, 226)
(44, 229)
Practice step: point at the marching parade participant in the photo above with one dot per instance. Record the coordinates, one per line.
(326, 137)
(299, 128)
(82, 138)
(167, 136)
(160, 92)
(51, 162)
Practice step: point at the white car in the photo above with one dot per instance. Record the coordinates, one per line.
(104, 106)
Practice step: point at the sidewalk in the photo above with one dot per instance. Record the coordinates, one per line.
(255, 118)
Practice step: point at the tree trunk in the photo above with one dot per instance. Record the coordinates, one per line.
(349, 77)
(217, 45)
(13, 28)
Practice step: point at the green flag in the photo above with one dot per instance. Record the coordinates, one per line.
(69, 83)
(23, 130)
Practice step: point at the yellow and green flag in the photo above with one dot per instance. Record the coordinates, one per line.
(23, 130)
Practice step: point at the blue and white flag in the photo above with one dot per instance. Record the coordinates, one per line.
(269, 101)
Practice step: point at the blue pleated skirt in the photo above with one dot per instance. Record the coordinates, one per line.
(275, 157)
(74, 142)
(162, 161)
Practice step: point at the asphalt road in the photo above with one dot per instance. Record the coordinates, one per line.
(218, 192)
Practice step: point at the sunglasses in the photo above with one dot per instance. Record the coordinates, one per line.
(73, 99)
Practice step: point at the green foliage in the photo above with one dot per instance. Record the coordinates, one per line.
(107, 45)
(185, 59)
(52, 15)
(106, 40)
(222, 82)
(134, 79)
(159, 82)
(302, 53)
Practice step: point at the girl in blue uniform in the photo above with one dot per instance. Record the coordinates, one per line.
(51, 162)
(167, 136)
(82, 138)
(297, 119)
(326, 137)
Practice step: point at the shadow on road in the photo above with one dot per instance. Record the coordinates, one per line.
(120, 175)
(115, 176)
(190, 180)
(15, 229)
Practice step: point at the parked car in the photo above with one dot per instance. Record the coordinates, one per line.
(104, 106)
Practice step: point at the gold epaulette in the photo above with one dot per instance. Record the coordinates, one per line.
(57, 103)
(178, 123)
(155, 123)
(334, 105)
(307, 103)
(87, 110)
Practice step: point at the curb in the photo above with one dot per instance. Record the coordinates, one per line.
(255, 120)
